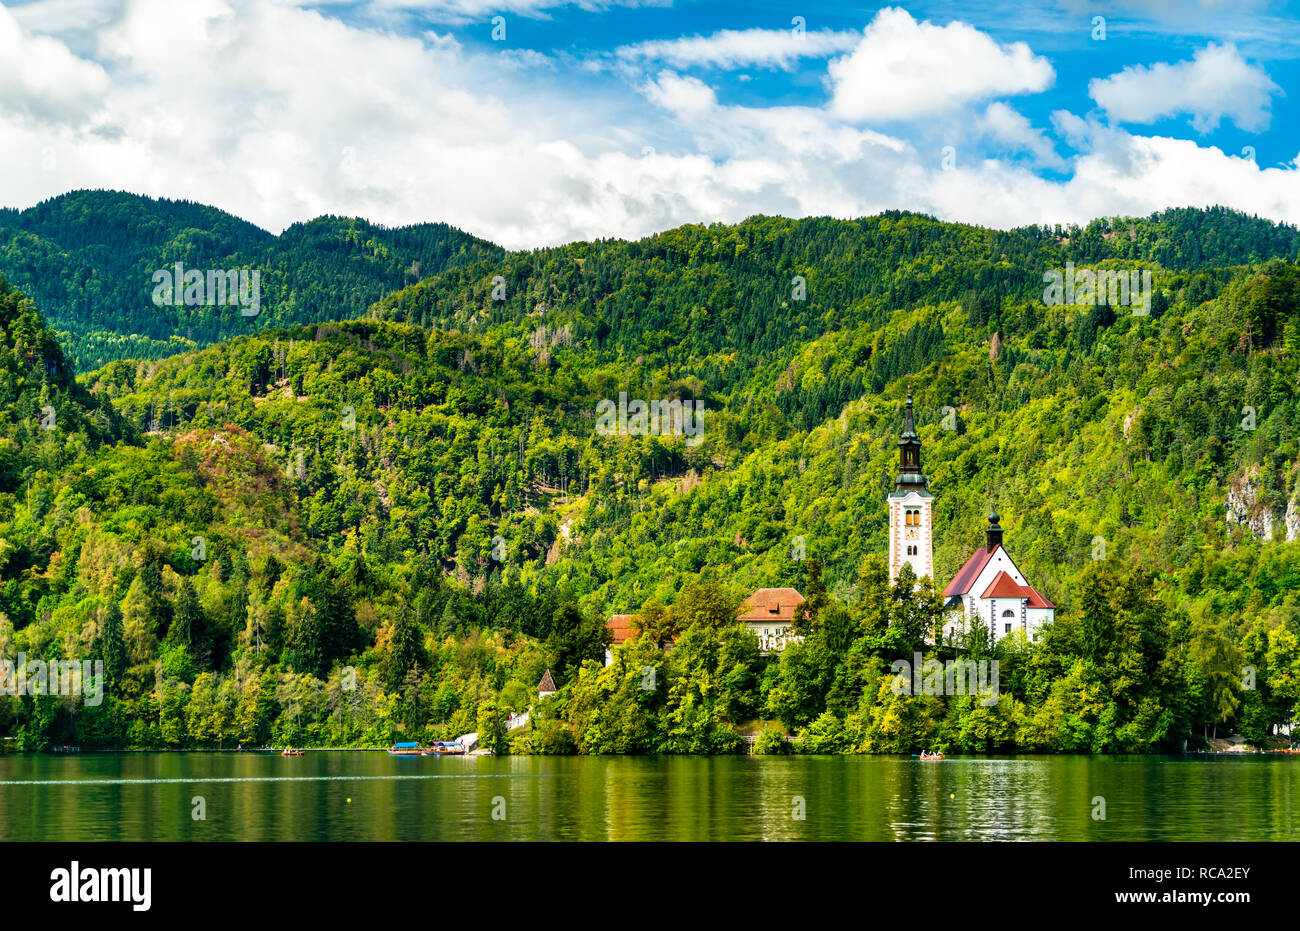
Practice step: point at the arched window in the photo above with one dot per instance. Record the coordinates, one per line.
(1008, 613)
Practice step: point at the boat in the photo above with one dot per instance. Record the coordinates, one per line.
(289, 751)
(443, 748)
(930, 757)
(405, 749)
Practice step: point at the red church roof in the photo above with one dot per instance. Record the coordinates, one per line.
(1036, 600)
(961, 583)
(1004, 586)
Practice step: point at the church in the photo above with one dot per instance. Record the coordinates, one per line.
(990, 587)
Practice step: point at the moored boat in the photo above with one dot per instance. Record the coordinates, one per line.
(405, 749)
(289, 751)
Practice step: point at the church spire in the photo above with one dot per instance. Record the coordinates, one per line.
(911, 528)
(909, 453)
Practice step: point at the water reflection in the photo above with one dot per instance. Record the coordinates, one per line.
(370, 796)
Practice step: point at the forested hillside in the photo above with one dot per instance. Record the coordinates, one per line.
(88, 258)
(407, 518)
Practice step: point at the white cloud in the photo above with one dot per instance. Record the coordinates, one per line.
(683, 96)
(731, 48)
(41, 80)
(903, 70)
(397, 129)
(64, 16)
(1004, 124)
(1135, 175)
(1216, 83)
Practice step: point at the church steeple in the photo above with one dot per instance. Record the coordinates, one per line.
(911, 537)
(909, 454)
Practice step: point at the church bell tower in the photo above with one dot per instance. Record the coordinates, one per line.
(911, 537)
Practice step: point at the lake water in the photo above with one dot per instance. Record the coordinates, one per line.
(265, 797)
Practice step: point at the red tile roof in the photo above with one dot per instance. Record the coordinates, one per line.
(770, 604)
(1003, 586)
(547, 684)
(621, 626)
(1036, 600)
(960, 585)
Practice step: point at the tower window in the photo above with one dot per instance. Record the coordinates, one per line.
(1008, 613)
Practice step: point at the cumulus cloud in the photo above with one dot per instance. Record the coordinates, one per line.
(904, 70)
(1215, 84)
(1123, 173)
(41, 80)
(402, 129)
(1012, 129)
(730, 48)
(65, 16)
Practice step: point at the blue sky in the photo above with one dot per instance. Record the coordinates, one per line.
(620, 119)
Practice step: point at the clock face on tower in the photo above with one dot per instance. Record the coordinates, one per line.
(911, 533)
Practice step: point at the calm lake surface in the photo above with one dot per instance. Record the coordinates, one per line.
(265, 797)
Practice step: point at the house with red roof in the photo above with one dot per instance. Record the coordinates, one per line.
(621, 629)
(991, 589)
(769, 613)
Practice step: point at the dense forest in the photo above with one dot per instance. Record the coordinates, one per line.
(384, 515)
(87, 258)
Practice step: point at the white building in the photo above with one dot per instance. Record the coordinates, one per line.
(991, 589)
(769, 613)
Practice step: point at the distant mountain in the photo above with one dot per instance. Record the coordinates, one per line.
(758, 285)
(88, 257)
